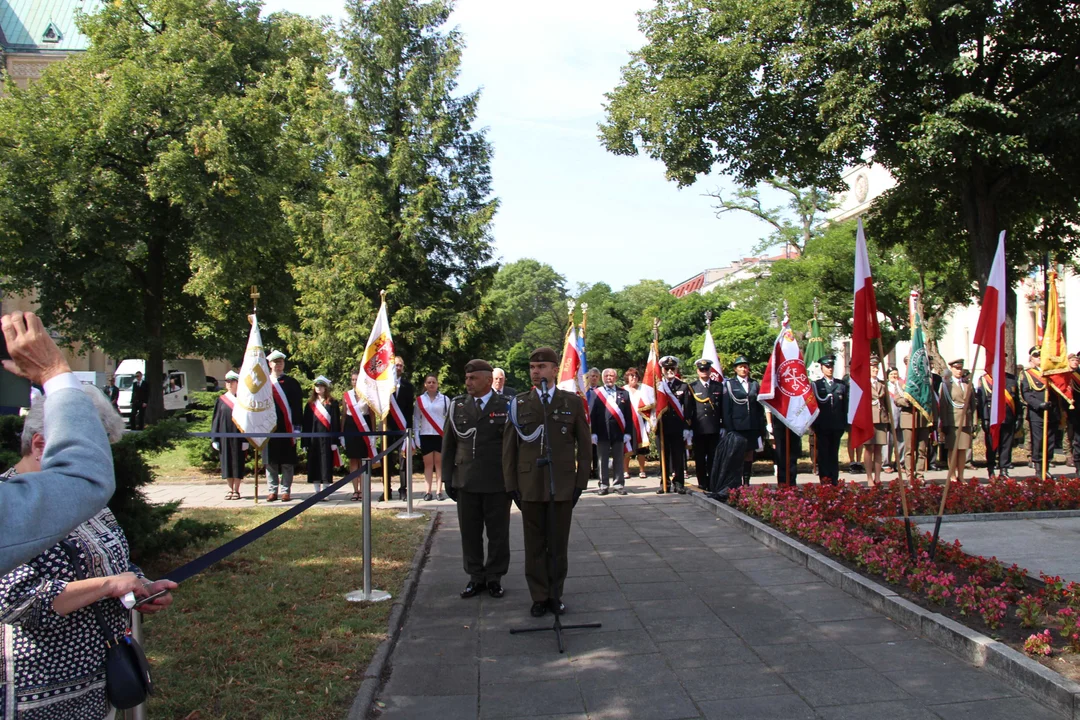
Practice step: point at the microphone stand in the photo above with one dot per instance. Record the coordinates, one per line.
(554, 602)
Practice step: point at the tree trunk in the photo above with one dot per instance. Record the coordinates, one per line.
(152, 324)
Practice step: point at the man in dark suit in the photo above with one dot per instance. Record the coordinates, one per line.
(1000, 460)
(612, 430)
(498, 383)
(743, 414)
(705, 412)
(279, 454)
(525, 443)
(674, 426)
(113, 393)
(472, 474)
(832, 399)
(1043, 407)
(405, 397)
(140, 396)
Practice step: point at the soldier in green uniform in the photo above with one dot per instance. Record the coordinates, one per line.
(524, 443)
(472, 474)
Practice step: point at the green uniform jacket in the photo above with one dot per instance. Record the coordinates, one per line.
(568, 428)
(472, 460)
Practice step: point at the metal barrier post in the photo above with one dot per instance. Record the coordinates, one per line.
(139, 711)
(368, 593)
(409, 514)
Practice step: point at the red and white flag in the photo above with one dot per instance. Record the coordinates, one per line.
(708, 352)
(378, 376)
(651, 384)
(785, 388)
(864, 328)
(990, 334)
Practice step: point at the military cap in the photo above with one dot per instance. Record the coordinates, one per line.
(703, 364)
(1072, 355)
(741, 360)
(1035, 351)
(323, 380)
(828, 360)
(958, 362)
(874, 359)
(478, 366)
(276, 355)
(544, 354)
(231, 375)
(669, 361)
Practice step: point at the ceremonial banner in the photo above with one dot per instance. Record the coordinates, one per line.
(253, 411)
(815, 350)
(572, 368)
(708, 352)
(990, 334)
(785, 388)
(652, 380)
(918, 388)
(378, 376)
(1054, 358)
(864, 328)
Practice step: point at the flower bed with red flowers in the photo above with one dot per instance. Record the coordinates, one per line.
(858, 526)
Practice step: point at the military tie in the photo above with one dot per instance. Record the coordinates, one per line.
(479, 404)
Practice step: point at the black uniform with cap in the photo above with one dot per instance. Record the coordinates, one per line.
(675, 428)
(743, 414)
(1042, 406)
(831, 422)
(706, 417)
(999, 460)
(472, 474)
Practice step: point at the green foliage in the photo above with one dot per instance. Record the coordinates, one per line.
(405, 205)
(793, 225)
(200, 451)
(142, 181)
(682, 327)
(10, 440)
(972, 106)
(741, 332)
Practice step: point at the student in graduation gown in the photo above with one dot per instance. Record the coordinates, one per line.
(233, 451)
(321, 414)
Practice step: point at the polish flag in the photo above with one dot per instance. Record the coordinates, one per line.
(653, 380)
(864, 328)
(990, 334)
(785, 388)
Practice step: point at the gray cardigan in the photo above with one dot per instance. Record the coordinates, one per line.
(39, 509)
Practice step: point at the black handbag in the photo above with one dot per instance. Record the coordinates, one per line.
(127, 672)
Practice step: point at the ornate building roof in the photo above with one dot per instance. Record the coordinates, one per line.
(45, 27)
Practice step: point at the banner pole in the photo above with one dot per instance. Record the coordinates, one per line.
(385, 463)
(409, 514)
(368, 594)
(257, 453)
(1046, 418)
(896, 451)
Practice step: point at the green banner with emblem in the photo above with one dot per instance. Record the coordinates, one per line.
(918, 388)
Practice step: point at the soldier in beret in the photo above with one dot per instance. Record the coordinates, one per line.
(525, 443)
(472, 474)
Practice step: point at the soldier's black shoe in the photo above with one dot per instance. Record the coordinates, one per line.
(495, 589)
(660, 490)
(557, 607)
(620, 490)
(681, 489)
(539, 608)
(602, 491)
(473, 589)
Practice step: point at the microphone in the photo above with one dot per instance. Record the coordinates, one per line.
(543, 387)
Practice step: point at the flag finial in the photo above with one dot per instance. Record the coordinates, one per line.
(254, 299)
(708, 318)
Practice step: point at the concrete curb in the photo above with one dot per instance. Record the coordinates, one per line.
(991, 517)
(1031, 678)
(365, 696)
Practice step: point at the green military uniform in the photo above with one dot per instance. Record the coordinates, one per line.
(571, 455)
(472, 468)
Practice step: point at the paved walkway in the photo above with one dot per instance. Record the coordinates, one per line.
(699, 620)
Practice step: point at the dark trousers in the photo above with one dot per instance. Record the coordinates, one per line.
(788, 445)
(675, 456)
(1000, 459)
(138, 417)
(610, 456)
(828, 455)
(1072, 431)
(395, 466)
(534, 520)
(704, 453)
(1037, 440)
(478, 512)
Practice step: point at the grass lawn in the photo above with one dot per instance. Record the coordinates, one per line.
(267, 632)
(173, 466)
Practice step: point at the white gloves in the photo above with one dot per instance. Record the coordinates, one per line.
(333, 447)
(216, 445)
(688, 436)
(594, 439)
(625, 439)
(244, 446)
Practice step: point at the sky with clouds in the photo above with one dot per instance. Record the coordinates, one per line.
(543, 69)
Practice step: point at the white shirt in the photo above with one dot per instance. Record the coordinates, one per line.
(435, 408)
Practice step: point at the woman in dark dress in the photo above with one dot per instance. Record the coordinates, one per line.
(321, 414)
(233, 450)
(357, 419)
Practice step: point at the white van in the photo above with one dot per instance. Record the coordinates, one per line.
(182, 377)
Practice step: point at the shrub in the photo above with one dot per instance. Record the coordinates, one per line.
(200, 451)
(10, 430)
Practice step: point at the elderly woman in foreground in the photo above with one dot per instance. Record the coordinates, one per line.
(53, 650)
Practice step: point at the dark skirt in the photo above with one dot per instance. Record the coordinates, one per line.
(430, 444)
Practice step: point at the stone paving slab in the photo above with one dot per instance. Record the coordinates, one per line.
(691, 633)
(1045, 545)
